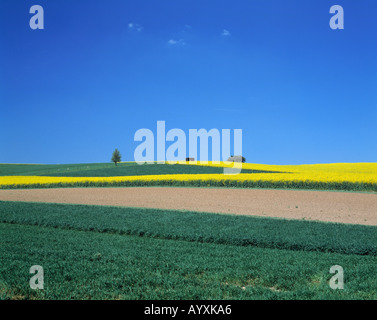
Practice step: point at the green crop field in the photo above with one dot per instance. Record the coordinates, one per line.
(96, 252)
(107, 169)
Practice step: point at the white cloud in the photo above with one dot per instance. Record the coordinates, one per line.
(179, 42)
(226, 33)
(135, 27)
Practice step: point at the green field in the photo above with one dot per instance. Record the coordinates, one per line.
(95, 252)
(106, 169)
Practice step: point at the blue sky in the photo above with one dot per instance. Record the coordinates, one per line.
(100, 70)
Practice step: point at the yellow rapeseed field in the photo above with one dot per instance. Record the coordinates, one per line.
(360, 174)
(333, 172)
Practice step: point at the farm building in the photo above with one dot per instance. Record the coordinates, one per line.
(236, 159)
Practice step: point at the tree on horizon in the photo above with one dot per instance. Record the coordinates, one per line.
(116, 157)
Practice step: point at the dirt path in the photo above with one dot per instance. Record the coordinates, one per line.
(357, 208)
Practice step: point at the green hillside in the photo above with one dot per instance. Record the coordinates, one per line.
(93, 252)
(105, 169)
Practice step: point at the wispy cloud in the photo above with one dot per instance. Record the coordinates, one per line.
(135, 27)
(229, 110)
(226, 33)
(173, 42)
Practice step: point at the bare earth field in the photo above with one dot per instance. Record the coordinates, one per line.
(344, 207)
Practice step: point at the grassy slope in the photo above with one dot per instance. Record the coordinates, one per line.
(198, 227)
(94, 252)
(105, 170)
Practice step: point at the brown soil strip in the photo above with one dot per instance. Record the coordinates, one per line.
(344, 207)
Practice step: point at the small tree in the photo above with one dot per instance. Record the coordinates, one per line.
(116, 156)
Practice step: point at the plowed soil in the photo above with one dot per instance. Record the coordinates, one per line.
(343, 207)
